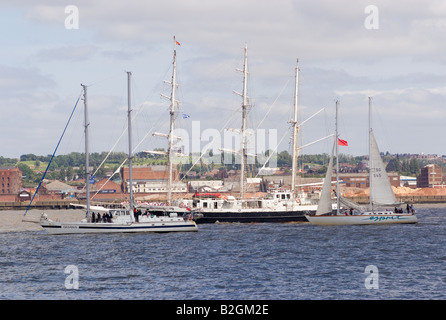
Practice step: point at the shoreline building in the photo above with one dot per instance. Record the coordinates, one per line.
(10, 180)
(151, 180)
(361, 180)
(431, 176)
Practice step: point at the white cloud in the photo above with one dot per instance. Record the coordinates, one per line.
(19, 79)
(67, 53)
(401, 64)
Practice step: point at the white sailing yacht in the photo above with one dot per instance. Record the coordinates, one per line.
(117, 221)
(381, 195)
(279, 206)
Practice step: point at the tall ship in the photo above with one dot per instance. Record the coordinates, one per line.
(277, 206)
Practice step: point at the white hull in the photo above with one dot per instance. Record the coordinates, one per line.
(363, 219)
(275, 202)
(278, 210)
(158, 225)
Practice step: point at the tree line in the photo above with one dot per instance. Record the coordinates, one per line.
(70, 166)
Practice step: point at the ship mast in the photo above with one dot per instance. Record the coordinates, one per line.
(243, 130)
(370, 156)
(295, 132)
(171, 130)
(87, 154)
(129, 116)
(170, 136)
(337, 160)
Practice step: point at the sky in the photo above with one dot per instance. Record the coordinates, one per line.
(347, 51)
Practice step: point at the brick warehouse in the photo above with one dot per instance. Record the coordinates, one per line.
(11, 180)
(431, 176)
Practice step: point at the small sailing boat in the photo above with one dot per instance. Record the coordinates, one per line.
(381, 195)
(117, 221)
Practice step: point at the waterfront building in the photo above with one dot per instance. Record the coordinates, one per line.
(10, 180)
(151, 180)
(431, 176)
(361, 180)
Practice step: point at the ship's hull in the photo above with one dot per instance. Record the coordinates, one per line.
(87, 227)
(326, 220)
(253, 216)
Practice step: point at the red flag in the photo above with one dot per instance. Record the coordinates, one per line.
(176, 42)
(342, 142)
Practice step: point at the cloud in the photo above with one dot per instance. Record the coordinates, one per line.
(312, 30)
(401, 64)
(16, 79)
(67, 53)
(121, 54)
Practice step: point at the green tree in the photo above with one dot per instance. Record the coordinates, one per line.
(26, 171)
(284, 159)
(405, 167)
(69, 173)
(414, 166)
(394, 165)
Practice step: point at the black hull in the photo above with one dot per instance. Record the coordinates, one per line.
(253, 217)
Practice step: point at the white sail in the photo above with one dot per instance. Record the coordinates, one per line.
(325, 205)
(381, 192)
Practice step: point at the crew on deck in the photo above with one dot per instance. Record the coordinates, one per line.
(106, 217)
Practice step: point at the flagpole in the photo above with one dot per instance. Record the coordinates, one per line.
(175, 43)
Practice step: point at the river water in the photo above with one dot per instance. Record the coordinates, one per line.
(292, 261)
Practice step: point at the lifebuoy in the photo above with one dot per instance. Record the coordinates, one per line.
(298, 200)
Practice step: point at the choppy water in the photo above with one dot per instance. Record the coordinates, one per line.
(232, 261)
